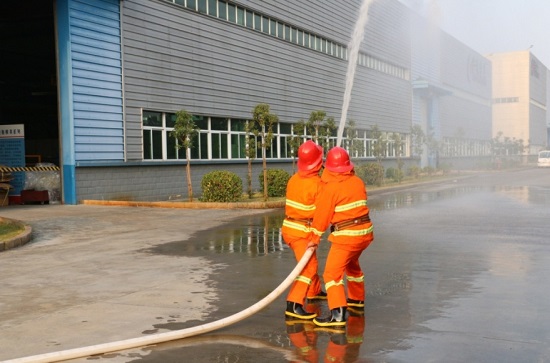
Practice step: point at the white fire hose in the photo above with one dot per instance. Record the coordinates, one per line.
(168, 336)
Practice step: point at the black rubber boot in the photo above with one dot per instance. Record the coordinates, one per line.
(295, 310)
(320, 296)
(336, 319)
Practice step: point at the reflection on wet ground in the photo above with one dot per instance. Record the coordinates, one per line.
(438, 251)
(255, 236)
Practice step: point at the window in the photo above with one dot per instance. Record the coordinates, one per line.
(152, 135)
(287, 33)
(212, 8)
(265, 25)
(249, 19)
(238, 139)
(157, 142)
(217, 123)
(202, 6)
(257, 22)
(192, 4)
(222, 10)
(272, 27)
(240, 16)
(300, 35)
(285, 134)
(222, 138)
(231, 13)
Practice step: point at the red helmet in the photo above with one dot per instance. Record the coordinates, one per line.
(310, 155)
(338, 160)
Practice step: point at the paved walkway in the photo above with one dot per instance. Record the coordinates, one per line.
(83, 272)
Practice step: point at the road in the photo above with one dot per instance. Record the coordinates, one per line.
(458, 272)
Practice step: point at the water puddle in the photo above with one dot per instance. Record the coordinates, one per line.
(252, 257)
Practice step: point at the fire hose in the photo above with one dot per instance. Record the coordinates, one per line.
(173, 335)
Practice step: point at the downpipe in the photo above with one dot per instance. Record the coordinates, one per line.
(173, 335)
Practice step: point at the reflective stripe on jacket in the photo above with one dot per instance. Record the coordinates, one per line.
(343, 197)
(301, 192)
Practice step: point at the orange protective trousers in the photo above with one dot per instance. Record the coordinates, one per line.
(343, 261)
(300, 288)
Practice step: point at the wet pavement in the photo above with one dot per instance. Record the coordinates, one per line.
(458, 272)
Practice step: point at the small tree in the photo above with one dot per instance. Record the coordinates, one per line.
(379, 146)
(184, 132)
(296, 140)
(321, 128)
(355, 144)
(313, 125)
(433, 147)
(398, 145)
(418, 139)
(328, 130)
(264, 121)
(251, 134)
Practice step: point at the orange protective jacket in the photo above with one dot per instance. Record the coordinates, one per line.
(343, 197)
(301, 192)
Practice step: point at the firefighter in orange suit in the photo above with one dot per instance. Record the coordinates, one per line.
(301, 192)
(342, 203)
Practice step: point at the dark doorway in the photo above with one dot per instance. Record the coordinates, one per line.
(28, 81)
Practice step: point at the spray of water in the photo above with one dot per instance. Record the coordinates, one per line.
(353, 47)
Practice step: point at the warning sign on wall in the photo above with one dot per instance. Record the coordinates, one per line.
(12, 153)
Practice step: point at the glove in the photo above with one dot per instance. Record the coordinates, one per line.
(312, 244)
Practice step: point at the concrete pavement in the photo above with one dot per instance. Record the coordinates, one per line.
(458, 272)
(83, 278)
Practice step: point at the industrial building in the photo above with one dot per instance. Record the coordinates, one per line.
(520, 100)
(96, 84)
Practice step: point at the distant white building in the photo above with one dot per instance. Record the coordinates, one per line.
(520, 99)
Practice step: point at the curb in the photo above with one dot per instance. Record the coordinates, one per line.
(188, 205)
(18, 240)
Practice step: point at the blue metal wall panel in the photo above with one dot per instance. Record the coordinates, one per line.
(96, 61)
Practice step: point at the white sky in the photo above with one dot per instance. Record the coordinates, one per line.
(492, 26)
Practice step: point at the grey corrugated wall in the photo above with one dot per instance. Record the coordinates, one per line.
(175, 58)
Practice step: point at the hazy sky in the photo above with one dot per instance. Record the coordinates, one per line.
(491, 26)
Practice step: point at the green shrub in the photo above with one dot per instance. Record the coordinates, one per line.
(391, 173)
(414, 171)
(394, 174)
(371, 173)
(221, 186)
(430, 170)
(445, 168)
(276, 182)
